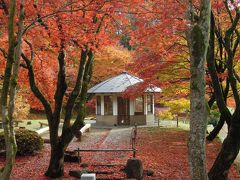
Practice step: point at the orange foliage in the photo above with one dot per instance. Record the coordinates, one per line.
(110, 61)
(161, 51)
(79, 21)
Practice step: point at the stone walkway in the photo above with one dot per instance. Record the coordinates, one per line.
(118, 138)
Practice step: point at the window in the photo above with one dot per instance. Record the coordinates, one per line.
(108, 105)
(150, 104)
(139, 105)
(98, 105)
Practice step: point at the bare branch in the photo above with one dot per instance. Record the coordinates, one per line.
(31, 49)
(35, 89)
(4, 6)
(4, 53)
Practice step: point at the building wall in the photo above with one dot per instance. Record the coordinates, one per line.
(111, 120)
(150, 118)
(106, 120)
(138, 119)
(141, 119)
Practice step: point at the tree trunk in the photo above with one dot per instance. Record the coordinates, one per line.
(228, 153)
(219, 95)
(9, 136)
(231, 144)
(198, 38)
(213, 134)
(56, 165)
(60, 143)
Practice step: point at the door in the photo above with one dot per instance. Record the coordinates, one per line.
(123, 111)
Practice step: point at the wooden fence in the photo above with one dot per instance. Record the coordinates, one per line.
(132, 142)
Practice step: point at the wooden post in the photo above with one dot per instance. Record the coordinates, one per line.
(134, 141)
(78, 153)
(135, 131)
(134, 153)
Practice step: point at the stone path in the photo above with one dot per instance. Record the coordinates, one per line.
(118, 138)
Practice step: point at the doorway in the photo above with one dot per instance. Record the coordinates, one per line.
(123, 111)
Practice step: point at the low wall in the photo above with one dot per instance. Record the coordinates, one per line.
(106, 120)
(112, 120)
(138, 120)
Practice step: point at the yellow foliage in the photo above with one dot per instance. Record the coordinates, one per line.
(22, 108)
(165, 115)
(178, 105)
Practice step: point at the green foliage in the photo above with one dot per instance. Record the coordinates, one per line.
(213, 114)
(213, 121)
(28, 142)
(213, 117)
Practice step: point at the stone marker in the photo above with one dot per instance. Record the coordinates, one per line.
(91, 176)
(134, 169)
(150, 172)
(75, 173)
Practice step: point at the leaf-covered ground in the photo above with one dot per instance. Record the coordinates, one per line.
(162, 150)
(165, 152)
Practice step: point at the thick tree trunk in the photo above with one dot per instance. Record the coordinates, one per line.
(56, 165)
(198, 37)
(228, 153)
(9, 135)
(198, 119)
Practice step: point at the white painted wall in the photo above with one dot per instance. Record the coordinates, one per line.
(132, 106)
(102, 105)
(153, 104)
(145, 104)
(115, 105)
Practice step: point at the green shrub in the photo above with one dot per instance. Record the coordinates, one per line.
(213, 121)
(28, 142)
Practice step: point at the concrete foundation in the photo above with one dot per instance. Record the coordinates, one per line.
(112, 120)
(106, 120)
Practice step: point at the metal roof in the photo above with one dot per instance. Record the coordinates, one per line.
(119, 84)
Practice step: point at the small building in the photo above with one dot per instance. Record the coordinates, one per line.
(113, 109)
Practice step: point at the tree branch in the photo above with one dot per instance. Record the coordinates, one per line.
(76, 91)
(4, 53)
(69, 133)
(213, 73)
(36, 90)
(4, 7)
(61, 83)
(31, 50)
(236, 76)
